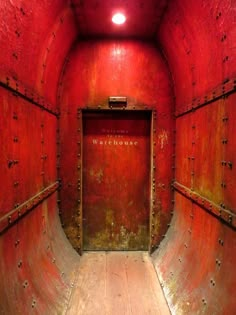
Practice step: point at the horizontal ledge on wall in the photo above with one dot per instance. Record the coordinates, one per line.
(29, 95)
(17, 213)
(220, 212)
(221, 91)
(109, 107)
(138, 107)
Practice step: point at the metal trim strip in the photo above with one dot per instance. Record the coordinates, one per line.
(17, 213)
(219, 211)
(29, 95)
(220, 91)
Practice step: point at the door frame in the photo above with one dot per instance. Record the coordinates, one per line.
(152, 174)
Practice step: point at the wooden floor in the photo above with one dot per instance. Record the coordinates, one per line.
(117, 283)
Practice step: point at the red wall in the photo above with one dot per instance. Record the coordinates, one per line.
(196, 260)
(31, 52)
(35, 275)
(96, 70)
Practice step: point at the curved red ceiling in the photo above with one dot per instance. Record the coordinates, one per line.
(143, 17)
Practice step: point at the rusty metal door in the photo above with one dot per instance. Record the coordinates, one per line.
(116, 180)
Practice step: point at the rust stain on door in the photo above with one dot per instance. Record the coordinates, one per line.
(116, 180)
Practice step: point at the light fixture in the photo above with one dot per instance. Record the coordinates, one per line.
(118, 18)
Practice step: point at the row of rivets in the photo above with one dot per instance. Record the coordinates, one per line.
(14, 162)
(220, 211)
(154, 148)
(221, 91)
(21, 91)
(79, 154)
(19, 210)
(229, 164)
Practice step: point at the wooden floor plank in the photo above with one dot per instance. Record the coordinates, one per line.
(146, 296)
(117, 295)
(117, 283)
(90, 289)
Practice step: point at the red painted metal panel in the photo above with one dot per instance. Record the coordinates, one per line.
(122, 68)
(209, 151)
(32, 53)
(229, 170)
(164, 163)
(22, 137)
(35, 276)
(48, 128)
(69, 194)
(116, 180)
(8, 158)
(194, 260)
(197, 259)
(31, 262)
(116, 67)
(54, 53)
(29, 170)
(184, 150)
(198, 39)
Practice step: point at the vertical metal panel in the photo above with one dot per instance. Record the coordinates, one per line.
(163, 169)
(229, 167)
(33, 264)
(184, 152)
(32, 261)
(116, 180)
(190, 261)
(8, 245)
(198, 39)
(70, 173)
(48, 141)
(21, 142)
(193, 269)
(29, 149)
(9, 158)
(33, 55)
(196, 260)
(209, 151)
(107, 68)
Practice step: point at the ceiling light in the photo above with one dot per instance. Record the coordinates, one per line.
(118, 18)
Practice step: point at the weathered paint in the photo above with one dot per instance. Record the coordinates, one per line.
(202, 264)
(116, 68)
(196, 260)
(198, 39)
(116, 180)
(30, 251)
(33, 55)
(36, 275)
(229, 158)
(33, 264)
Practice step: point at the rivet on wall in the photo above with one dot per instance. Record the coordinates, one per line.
(20, 263)
(218, 262)
(33, 303)
(22, 11)
(25, 284)
(204, 301)
(14, 54)
(17, 243)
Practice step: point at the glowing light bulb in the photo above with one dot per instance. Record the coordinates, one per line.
(118, 18)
